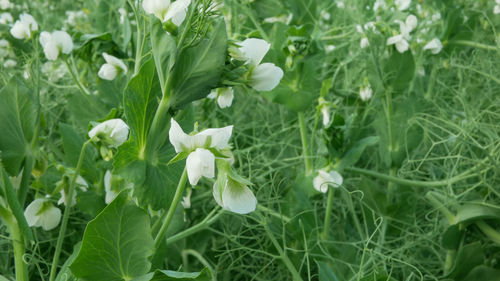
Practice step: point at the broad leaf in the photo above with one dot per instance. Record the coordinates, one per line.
(198, 68)
(352, 155)
(164, 50)
(116, 244)
(169, 275)
(399, 71)
(18, 119)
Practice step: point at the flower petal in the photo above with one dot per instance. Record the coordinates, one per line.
(254, 49)
(31, 212)
(63, 40)
(200, 162)
(50, 218)
(219, 137)
(177, 11)
(114, 61)
(225, 98)
(266, 77)
(180, 140)
(107, 72)
(238, 198)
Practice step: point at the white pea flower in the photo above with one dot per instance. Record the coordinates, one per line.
(364, 43)
(330, 48)
(186, 200)
(340, 4)
(23, 28)
(496, 9)
(6, 18)
(42, 213)
(265, 76)
(111, 68)
(166, 10)
(435, 46)
(5, 4)
(326, 115)
(325, 178)
(9, 63)
(81, 184)
(366, 92)
(224, 96)
(200, 161)
(112, 133)
(379, 4)
(4, 48)
(402, 4)
(400, 40)
(110, 193)
(56, 42)
(234, 196)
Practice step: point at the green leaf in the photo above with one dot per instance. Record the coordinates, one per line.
(476, 211)
(143, 159)
(19, 112)
(451, 237)
(179, 157)
(81, 40)
(164, 50)
(72, 145)
(352, 155)
(399, 71)
(198, 68)
(116, 244)
(482, 272)
(64, 273)
(168, 275)
(468, 257)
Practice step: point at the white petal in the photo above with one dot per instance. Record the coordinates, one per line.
(156, 7)
(28, 20)
(225, 98)
(219, 137)
(496, 9)
(32, 210)
(114, 129)
(180, 140)
(200, 162)
(403, 4)
(394, 39)
(324, 178)
(254, 49)
(177, 11)
(20, 31)
(402, 46)
(410, 23)
(326, 115)
(365, 93)
(320, 184)
(6, 18)
(116, 62)
(50, 218)
(107, 72)
(435, 46)
(364, 43)
(64, 41)
(50, 49)
(265, 77)
(216, 193)
(238, 198)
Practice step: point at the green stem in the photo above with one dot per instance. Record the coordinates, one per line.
(139, 42)
(474, 44)
(67, 211)
(80, 86)
(283, 256)
(449, 261)
(450, 217)
(465, 175)
(17, 243)
(305, 145)
(274, 213)
(194, 229)
(489, 231)
(328, 215)
(171, 209)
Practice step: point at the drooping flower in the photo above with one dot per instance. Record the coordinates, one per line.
(56, 42)
(6, 18)
(265, 76)
(5, 4)
(111, 68)
(42, 213)
(24, 27)
(326, 178)
(80, 183)
(224, 96)
(166, 10)
(402, 4)
(200, 160)
(366, 92)
(234, 196)
(435, 46)
(400, 40)
(112, 133)
(364, 42)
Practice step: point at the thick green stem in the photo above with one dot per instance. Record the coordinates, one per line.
(328, 215)
(465, 175)
(489, 231)
(305, 145)
(194, 229)
(450, 217)
(171, 209)
(288, 263)
(17, 243)
(67, 211)
(474, 44)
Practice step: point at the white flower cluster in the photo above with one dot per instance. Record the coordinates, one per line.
(230, 192)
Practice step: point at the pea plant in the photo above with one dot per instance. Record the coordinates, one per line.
(249, 140)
